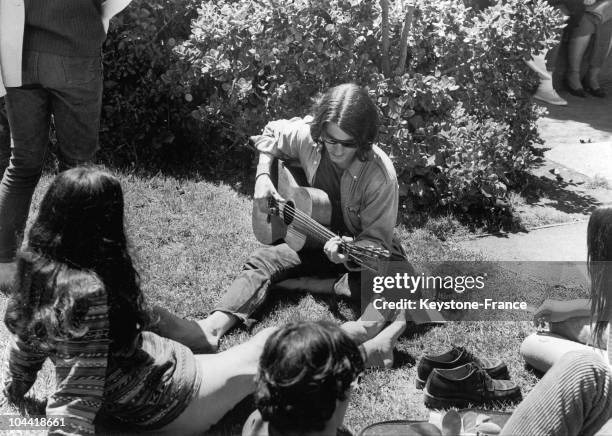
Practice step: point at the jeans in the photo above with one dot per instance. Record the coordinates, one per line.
(5, 138)
(70, 90)
(573, 398)
(270, 265)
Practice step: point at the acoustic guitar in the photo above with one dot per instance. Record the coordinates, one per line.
(302, 217)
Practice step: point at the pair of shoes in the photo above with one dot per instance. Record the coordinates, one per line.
(457, 378)
(595, 92)
(578, 92)
(468, 385)
(458, 356)
(547, 94)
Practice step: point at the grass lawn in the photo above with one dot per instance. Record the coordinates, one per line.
(190, 238)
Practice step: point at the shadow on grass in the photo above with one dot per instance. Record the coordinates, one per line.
(534, 371)
(236, 171)
(402, 358)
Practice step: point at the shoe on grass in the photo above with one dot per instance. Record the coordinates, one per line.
(468, 385)
(455, 357)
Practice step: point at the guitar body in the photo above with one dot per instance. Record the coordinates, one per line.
(286, 226)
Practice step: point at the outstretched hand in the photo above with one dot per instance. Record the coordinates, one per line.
(264, 190)
(552, 311)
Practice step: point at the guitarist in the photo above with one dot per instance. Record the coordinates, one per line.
(335, 149)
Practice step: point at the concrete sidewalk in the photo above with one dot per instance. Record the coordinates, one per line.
(566, 242)
(553, 255)
(577, 137)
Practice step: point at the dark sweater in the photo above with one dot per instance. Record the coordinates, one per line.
(64, 27)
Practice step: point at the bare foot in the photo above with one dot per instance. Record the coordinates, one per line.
(216, 325)
(202, 341)
(379, 350)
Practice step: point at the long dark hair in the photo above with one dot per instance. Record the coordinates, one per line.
(599, 248)
(304, 369)
(80, 226)
(50, 301)
(351, 108)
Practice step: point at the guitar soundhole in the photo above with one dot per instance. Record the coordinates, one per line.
(288, 212)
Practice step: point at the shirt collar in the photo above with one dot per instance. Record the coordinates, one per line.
(355, 168)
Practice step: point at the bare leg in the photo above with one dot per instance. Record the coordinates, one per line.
(593, 77)
(542, 351)
(227, 378)
(185, 331)
(379, 350)
(369, 324)
(576, 50)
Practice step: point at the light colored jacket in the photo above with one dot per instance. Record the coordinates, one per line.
(12, 23)
(368, 190)
(12, 20)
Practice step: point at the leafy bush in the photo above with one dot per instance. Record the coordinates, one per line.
(145, 116)
(251, 62)
(455, 94)
(450, 81)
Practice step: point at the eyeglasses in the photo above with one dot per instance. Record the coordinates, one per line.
(325, 139)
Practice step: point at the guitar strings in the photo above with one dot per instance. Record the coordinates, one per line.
(324, 234)
(317, 230)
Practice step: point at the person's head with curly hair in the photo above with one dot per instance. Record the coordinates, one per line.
(305, 375)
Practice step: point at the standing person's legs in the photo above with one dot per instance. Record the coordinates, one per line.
(29, 115)
(577, 46)
(76, 104)
(573, 398)
(227, 378)
(600, 52)
(5, 138)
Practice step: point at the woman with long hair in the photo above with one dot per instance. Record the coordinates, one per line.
(575, 395)
(575, 323)
(77, 300)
